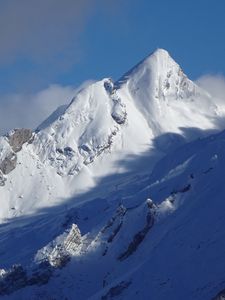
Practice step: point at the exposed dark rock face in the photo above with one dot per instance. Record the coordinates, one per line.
(2, 179)
(138, 238)
(9, 163)
(114, 233)
(182, 190)
(120, 212)
(120, 118)
(58, 254)
(18, 137)
(90, 154)
(113, 227)
(61, 258)
(119, 113)
(13, 280)
(17, 278)
(116, 290)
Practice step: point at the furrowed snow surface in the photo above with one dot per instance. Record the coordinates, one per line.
(119, 194)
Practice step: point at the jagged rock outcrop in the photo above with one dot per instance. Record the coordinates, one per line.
(9, 146)
(116, 290)
(18, 137)
(140, 235)
(12, 280)
(2, 179)
(58, 253)
(119, 113)
(49, 259)
(8, 163)
(17, 277)
(111, 229)
(89, 154)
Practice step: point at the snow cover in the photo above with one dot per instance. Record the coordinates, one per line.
(119, 194)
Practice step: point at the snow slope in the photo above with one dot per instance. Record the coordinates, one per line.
(119, 194)
(105, 123)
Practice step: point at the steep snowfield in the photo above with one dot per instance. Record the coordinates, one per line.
(166, 97)
(119, 194)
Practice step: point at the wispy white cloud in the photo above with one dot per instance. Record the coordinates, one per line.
(29, 110)
(215, 85)
(45, 37)
(43, 41)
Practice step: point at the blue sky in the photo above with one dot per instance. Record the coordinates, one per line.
(114, 38)
(192, 31)
(66, 42)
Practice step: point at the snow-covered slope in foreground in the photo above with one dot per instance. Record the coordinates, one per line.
(119, 195)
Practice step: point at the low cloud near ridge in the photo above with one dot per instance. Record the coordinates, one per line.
(214, 85)
(30, 110)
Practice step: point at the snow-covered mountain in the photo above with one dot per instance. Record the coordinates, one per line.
(117, 195)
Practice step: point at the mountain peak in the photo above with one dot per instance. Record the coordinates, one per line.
(159, 62)
(160, 53)
(155, 84)
(159, 76)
